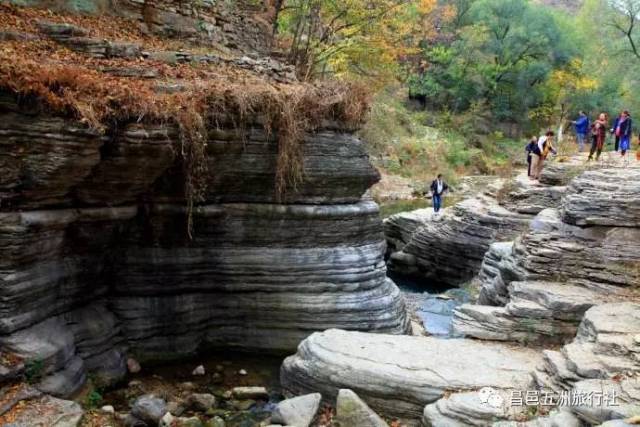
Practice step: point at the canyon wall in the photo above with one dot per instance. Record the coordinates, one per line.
(97, 262)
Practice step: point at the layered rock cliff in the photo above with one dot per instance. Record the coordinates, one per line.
(106, 254)
(448, 248)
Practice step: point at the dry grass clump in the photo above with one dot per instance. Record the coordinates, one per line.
(21, 19)
(101, 101)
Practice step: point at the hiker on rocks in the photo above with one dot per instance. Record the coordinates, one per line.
(529, 150)
(540, 153)
(438, 188)
(624, 130)
(582, 129)
(613, 130)
(598, 136)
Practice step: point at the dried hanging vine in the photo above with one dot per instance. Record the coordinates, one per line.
(99, 100)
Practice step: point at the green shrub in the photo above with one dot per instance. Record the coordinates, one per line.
(33, 370)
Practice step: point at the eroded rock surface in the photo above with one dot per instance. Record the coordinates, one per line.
(398, 375)
(97, 262)
(538, 287)
(449, 248)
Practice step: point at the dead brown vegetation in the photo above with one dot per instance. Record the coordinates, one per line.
(61, 82)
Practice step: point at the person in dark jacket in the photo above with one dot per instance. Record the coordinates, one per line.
(529, 149)
(624, 130)
(438, 188)
(598, 135)
(582, 129)
(613, 131)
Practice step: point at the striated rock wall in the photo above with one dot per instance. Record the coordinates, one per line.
(581, 255)
(97, 263)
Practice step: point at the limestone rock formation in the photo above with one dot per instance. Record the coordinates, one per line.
(605, 197)
(98, 263)
(398, 375)
(449, 248)
(606, 345)
(539, 287)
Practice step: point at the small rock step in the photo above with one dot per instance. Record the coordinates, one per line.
(537, 311)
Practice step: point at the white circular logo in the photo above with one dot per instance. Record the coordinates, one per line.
(489, 396)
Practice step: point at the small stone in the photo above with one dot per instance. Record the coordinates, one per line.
(108, 409)
(227, 394)
(167, 420)
(135, 383)
(243, 405)
(250, 393)
(188, 385)
(298, 411)
(176, 408)
(242, 372)
(215, 422)
(133, 366)
(202, 401)
(198, 371)
(219, 368)
(216, 378)
(149, 408)
(353, 411)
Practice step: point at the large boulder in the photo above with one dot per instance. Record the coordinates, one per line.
(398, 375)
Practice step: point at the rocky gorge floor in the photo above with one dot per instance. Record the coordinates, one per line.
(553, 339)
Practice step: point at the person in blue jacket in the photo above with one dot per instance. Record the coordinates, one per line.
(582, 128)
(624, 130)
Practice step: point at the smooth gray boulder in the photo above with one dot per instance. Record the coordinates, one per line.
(297, 411)
(353, 411)
(398, 375)
(149, 408)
